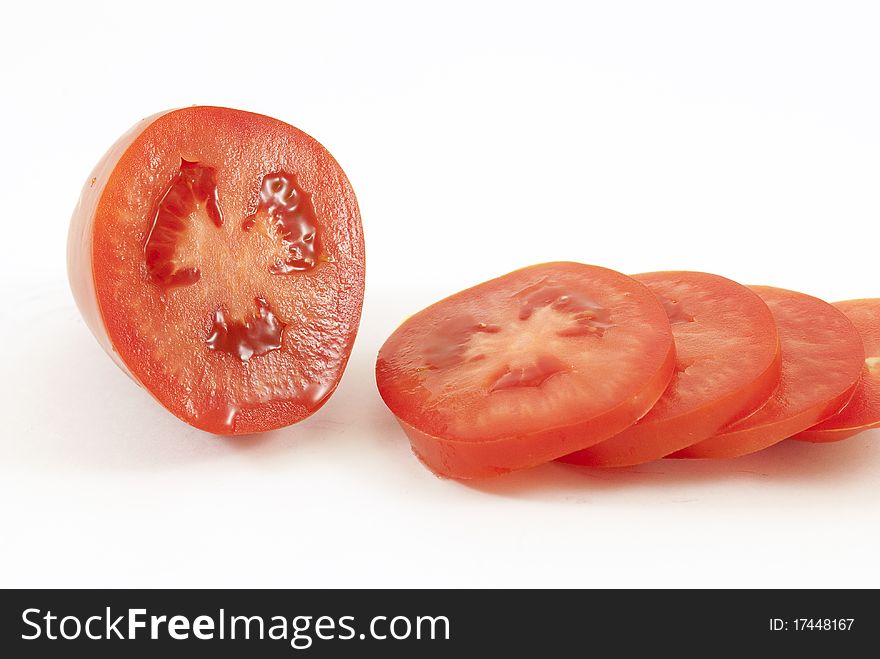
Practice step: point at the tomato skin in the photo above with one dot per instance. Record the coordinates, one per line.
(693, 408)
(830, 436)
(822, 356)
(80, 271)
(862, 412)
(735, 443)
(453, 452)
(89, 270)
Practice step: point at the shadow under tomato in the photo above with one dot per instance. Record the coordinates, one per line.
(86, 413)
(786, 462)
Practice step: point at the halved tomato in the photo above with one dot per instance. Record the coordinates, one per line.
(526, 368)
(822, 357)
(728, 363)
(218, 257)
(863, 410)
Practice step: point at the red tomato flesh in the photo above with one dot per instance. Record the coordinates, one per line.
(218, 257)
(728, 363)
(822, 357)
(863, 410)
(526, 368)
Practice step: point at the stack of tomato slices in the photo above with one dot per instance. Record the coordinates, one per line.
(573, 362)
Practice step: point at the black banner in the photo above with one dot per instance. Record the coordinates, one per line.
(318, 623)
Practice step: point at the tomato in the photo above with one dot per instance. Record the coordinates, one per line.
(863, 410)
(218, 257)
(728, 363)
(822, 357)
(526, 368)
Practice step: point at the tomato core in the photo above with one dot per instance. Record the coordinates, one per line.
(173, 243)
(587, 316)
(545, 314)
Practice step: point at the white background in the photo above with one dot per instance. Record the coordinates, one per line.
(739, 138)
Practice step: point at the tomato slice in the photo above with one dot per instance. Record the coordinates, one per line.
(863, 410)
(526, 368)
(822, 357)
(218, 257)
(728, 363)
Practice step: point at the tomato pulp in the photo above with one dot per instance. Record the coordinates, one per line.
(863, 410)
(218, 257)
(526, 368)
(822, 357)
(727, 364)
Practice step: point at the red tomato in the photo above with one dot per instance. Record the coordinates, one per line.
(863, 410)
(822, 357)
(526, 368)
(728, 363)
(218, 258)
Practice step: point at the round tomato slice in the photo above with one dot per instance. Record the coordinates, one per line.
(822, 357)
(863, 410)
(218, 257)
(728, 363)
(526, 368)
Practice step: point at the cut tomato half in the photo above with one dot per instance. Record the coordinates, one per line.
(526, 368)
(218, 257)
(728, 363)
(863, 410)
(822, 357)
